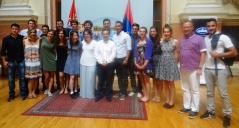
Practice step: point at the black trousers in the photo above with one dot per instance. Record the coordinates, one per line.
(122, 74)
(105, 74)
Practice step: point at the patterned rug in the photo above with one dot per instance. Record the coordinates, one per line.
(63, 105)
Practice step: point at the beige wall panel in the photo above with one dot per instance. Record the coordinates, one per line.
(38, 6)
(176, 8)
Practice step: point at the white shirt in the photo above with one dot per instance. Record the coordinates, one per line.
(87, 56)
(24, 32)
(123, 44)
(105, 51)
(224, 42)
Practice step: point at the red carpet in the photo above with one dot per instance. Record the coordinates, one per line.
(63, 105)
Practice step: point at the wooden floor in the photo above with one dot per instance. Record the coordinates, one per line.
(158, 117)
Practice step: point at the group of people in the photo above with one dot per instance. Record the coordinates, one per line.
(94, 56)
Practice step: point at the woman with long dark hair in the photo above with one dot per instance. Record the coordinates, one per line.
(158, 85)
(61, 50)
(72, 66)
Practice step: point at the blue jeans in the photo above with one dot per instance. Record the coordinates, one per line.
(20, 67)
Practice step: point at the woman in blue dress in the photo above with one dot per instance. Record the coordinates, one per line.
(72, 66)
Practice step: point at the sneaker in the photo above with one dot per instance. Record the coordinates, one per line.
(226, 121)
(184, 110)
(122, 97)
(207, 115)
(49, 93)
(10, 98)
(131, 93)
(73, 96)
(46, 92)
(192, 114)
(116, 95)
(76, 94)
(139, 95)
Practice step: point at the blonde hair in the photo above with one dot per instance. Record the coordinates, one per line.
(29, 32)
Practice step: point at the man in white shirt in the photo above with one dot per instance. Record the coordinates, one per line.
(31, 25)
(105, 52)
(216, 73)
(123, 48)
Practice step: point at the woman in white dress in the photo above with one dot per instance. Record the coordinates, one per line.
(88, 66)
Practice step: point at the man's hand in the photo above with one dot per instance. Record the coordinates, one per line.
(125, 62)
(5, 64)
(214, 54)
(95, 34)
(104, 63)
(199, 72)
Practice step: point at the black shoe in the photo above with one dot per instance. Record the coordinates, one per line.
(192, 114)
(97, 98)
(168, 106)
(184, 110)
(73, 96)
(226, 121)
(165, 104)
(23, 97)
(10, 98)
(76, 94)
(207, 115)
(109, 99)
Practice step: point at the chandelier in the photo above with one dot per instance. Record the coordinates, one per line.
(234, 2)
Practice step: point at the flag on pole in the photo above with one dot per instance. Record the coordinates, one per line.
(72, 15)
(128, 19)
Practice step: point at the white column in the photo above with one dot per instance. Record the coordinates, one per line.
(15, 7)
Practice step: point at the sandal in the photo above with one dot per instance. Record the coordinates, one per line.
(62, 91)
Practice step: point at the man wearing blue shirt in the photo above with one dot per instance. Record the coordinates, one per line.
(31, 25)
(106, 25)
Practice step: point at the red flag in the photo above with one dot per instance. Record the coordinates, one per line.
(72, 15)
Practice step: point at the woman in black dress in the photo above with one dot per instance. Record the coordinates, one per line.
(61, 49)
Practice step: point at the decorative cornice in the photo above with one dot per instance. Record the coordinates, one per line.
(233, 2)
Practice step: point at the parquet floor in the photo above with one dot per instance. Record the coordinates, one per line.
(158, 117)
